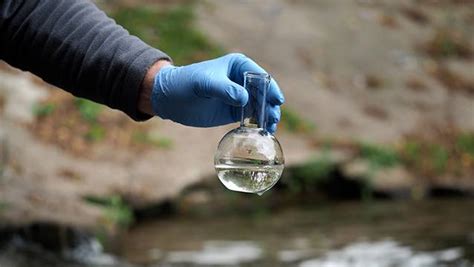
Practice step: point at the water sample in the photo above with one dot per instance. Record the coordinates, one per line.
(249, 178)
(249, 159)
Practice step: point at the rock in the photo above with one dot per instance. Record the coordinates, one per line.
(196, 198)
(356, 168)
(395, 179)
(20, 94)
(392, 181)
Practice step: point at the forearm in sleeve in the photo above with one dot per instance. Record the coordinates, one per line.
(75, 46)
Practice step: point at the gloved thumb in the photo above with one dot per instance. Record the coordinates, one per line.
(228, 92)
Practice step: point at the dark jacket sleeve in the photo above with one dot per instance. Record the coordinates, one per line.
(74, 45)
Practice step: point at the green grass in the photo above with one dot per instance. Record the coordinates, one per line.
(89, 110)
(96, 133)
(379, 156)
(43, 109)
(439, 157)
(317, 169)
(115, 209)
(310, 174)
(157, 141)
(412, 152)
(293, 122)
(169, 29)
(465, 143)
(3, 206)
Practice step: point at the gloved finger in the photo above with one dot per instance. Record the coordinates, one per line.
(244, 64)
(273, 114)
(272, 128)
(236, 113)
(227, 91)
(274, 95)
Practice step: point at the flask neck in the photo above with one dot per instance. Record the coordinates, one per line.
(254, 113)
(250, 123)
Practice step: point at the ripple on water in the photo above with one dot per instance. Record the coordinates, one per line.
(219, 253)
(386, 253)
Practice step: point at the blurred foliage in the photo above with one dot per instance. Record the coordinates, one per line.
(89, 110)
(411, 152)
(96, 133)
(439, 157)
(3, 206)
(308, 176)
(103, 236)
(317, 169)
(450, 153)
(154, 140)
(379, 156)
(293, 122)
(115, 209)
(170, 29)
(43, 109)
(465, 143)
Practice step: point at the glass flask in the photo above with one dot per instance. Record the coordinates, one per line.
(249, 159)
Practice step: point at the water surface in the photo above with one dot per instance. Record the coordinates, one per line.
(434, 233)
(381, 234)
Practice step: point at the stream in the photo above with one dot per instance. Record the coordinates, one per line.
(431, 233)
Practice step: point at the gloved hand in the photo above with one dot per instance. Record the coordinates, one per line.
(210, 93)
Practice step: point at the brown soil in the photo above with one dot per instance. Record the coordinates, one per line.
(335, 62)
(67, 128)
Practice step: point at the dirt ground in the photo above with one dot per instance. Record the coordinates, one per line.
(356, 69)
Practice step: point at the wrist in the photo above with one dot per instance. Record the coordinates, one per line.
(144, 100)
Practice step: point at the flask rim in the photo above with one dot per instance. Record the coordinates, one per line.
(261, 75)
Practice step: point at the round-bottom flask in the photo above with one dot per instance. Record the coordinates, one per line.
(250, 159)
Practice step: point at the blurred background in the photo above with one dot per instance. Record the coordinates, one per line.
(377, 130)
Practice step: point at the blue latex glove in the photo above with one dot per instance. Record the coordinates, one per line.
(210, 93)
